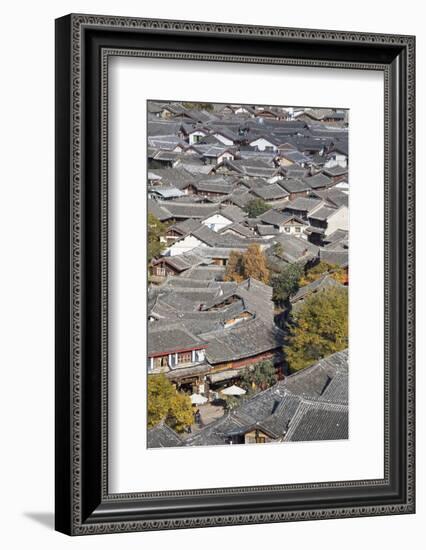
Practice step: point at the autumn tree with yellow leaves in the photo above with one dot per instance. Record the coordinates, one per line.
(251, 263)
(235, 268)
(166, 404)
(320, 328)
(321, 268)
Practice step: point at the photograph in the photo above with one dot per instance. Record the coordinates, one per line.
(248, 273)
(204, 228)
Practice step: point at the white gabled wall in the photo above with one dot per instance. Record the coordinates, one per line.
(216, 222)
(194, 135)
(262, 144)
(338, 220)
(185, 245)
(223, 139)
(337, 159)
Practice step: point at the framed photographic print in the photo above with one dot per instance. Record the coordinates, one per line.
(234, 274)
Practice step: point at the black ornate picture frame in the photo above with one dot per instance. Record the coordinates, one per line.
(84, 43)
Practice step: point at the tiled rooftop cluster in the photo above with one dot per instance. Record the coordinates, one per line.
(207, 165)
(311, 404)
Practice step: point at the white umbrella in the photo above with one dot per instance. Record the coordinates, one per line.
(197, 399)
(233, 390)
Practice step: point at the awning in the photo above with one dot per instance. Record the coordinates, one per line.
(197, 399)
(187, 372)
(224, 375)
(233, 390)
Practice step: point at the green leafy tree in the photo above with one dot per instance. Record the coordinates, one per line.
(232, 402)
(165, 403)
(286, 282)
(320, 328)
(256, 207)
(260, 377)
(156, 230)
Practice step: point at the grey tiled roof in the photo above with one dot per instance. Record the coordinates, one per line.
(335, 171)
(212, 185)
(214, 434)
(311, 382)
(241, 198)
(334, 196)
(265, 230)
(269, 192)
(186, 226)
(280, 218)
(326, 281)
(195, 166)
(177, 176)
(251, 168)
(161, 128)
(239, 229)
(319, 114)
(337, 257)
(154, 107)
(205, 273)
(295, 156)
(183, 282)
(218, 252)
(187, 210)
(162, 436)
(274, 217)
(341, 146)
(244, 340)
(322, 213)
(183, 262)
(336, 236)
(167, 156)
(293, 249)
(234, 213)
(166, 192)
(337, 391)
(303, 204)
(309, 405)
(293, 185)
(293, 171)
(277, 423)
(318, 181)
(157, 210)
(171, 338)
(256, 296)
(189, 299)
(216, 239)
(318, 422)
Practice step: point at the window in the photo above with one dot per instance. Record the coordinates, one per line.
(297, 229)
(287, 229)
(160, 362)
(185, 357)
